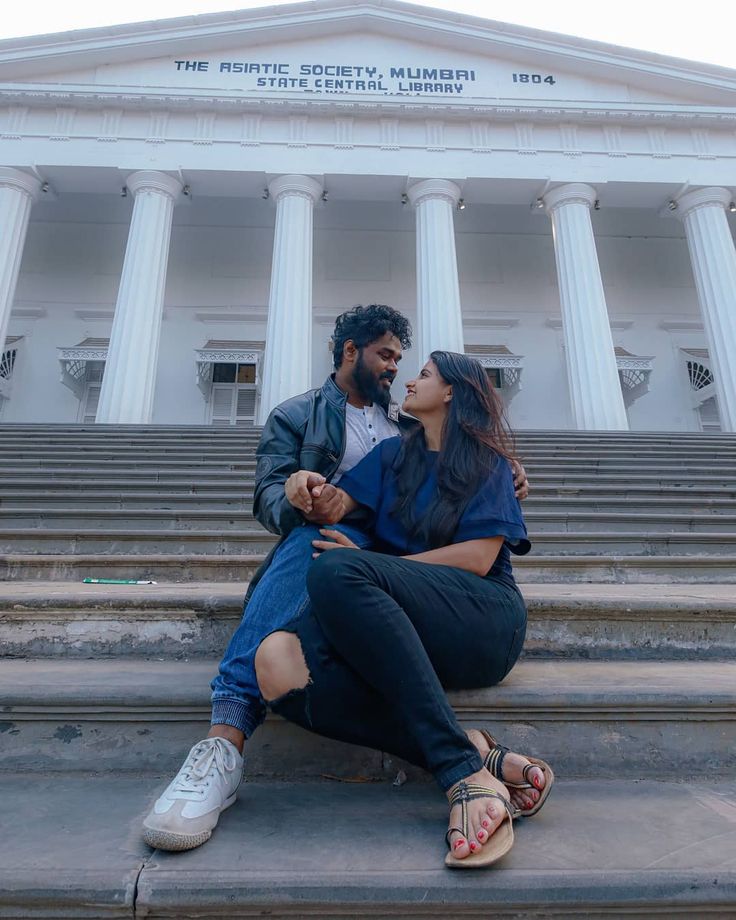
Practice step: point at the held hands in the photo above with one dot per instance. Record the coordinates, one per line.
(310, 493)
(521, 483)
(337, 540)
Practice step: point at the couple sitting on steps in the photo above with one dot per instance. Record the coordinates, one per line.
(354, 630)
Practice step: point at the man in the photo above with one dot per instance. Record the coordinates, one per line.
(308, 442)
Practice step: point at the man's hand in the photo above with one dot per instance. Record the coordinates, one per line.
(521, 483)
(327, 505)
(299, 487)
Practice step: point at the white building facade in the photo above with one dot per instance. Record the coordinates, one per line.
(187, 205)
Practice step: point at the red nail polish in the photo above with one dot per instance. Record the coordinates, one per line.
(486, 823)
(459, 843)
(473, 847)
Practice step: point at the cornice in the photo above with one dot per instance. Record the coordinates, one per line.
(335, 16)
(135, 99)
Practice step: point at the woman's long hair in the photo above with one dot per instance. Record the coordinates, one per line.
(474, 436)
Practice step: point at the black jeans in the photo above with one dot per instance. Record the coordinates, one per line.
(383, 637)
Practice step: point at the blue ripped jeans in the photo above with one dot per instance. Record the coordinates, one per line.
(279, 597)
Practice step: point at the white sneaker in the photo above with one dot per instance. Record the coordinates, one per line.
(187, 812)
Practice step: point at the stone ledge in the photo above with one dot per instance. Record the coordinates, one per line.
(604, 849)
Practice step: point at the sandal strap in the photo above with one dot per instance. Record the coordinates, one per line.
(466, 792)
(493, 762)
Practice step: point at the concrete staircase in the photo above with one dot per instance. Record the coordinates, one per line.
(627, 686)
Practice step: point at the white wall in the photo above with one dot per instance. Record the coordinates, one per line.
(218, 282)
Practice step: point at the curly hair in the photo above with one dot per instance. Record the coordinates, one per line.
(364, 325)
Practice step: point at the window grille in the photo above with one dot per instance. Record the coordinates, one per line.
(700, 375)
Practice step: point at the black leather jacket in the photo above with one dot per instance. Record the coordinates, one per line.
(306, 432)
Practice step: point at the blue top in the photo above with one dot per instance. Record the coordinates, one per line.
(493, 512)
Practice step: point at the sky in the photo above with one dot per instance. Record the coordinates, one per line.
(703, 31)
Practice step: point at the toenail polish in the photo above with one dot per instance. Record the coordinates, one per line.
(486, 823)
(473, 847)
(459, 843)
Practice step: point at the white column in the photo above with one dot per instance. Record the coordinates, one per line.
(287, 361)
(126, 397)
(439, 315)
(17, 193)
(713, 259)
(595, 389)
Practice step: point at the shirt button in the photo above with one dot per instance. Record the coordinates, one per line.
(370, 426)
(374, 440)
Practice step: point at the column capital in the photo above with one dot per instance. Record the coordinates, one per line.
(20, 181)
(300, 186)
(703, 197)
(154, 181)
(577, 192)
(443, 189)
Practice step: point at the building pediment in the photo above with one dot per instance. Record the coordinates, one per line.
(354, 49)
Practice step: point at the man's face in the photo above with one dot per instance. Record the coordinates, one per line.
(375, 368)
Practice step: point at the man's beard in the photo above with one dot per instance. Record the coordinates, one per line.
(367, 384)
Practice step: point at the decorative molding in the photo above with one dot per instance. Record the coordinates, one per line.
(569, 139)
(64, 124)
(206, 357)
(612, 138)
(111, 121)
(92, 314)
(389, 134)
(681, 326)
(158, 123)
(74, 362)
(15, 123)
(344, 132)
(251, 130)
(617, 325)
(433, 188)
(525, 137)
(29, 312)
(298, 130)
(701, 143)
(658, 142)
(258, 314)
(435, 134)
(205, 128)
(480, 133)
(488, 322)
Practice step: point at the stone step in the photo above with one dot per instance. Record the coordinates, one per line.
(366, 850)
(103, 539)
(128, 714)
(238, 520)
(144, 457)
(560, 505)
(231, 478)
(26, 488)
(183, 569)
(587, 621)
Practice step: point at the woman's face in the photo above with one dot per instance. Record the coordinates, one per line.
(427, 393)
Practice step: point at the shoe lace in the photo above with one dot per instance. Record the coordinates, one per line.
(198, 767)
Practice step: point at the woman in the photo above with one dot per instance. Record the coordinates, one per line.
(434, 608)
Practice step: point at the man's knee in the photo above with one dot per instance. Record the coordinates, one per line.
(280, 665)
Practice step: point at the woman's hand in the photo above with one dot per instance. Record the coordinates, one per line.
(298, 488)
(337, 540)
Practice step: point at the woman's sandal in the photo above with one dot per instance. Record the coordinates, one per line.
(493, 762)
(500, 841)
